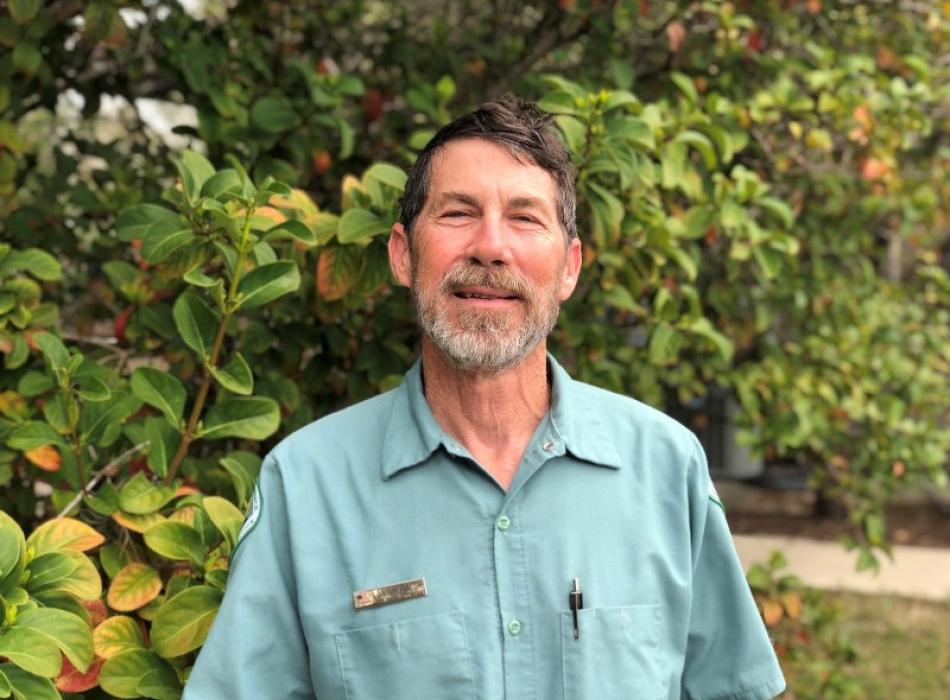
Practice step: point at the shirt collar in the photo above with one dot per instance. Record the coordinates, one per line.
(412, 433)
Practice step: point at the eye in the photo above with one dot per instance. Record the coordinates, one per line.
(455, 214)
(525, 218)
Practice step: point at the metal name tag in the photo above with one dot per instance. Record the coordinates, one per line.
(393, 593)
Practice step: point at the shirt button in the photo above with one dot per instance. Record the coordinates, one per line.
(548, 446)
(503, 523)
(514, 628)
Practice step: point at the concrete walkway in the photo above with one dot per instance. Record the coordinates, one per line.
(915, 572)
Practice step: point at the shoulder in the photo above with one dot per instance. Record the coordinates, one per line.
(626, 416)
(350, 433)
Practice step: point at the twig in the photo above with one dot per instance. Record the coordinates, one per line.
(109, 470)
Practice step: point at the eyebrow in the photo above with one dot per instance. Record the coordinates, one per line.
(458, 197)
(521, 202)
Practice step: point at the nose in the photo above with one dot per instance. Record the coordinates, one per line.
(491, 243)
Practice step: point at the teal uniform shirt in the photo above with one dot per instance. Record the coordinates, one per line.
(609, 491)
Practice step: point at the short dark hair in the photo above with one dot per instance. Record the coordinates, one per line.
(518, 126)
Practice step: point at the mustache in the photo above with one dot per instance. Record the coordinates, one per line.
(501, 278)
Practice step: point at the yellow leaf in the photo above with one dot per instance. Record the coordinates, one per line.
(135, 585)
(64, 533)
(137, 523)
(46, 458)
(792, 602)
(772, 612)
(117, 634)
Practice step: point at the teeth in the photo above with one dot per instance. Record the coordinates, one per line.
(475, 296)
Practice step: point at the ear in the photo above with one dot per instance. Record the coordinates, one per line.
(572, 270)
(399, 256)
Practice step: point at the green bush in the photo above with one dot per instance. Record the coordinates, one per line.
(759, 201)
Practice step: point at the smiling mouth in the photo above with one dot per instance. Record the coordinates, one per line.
(486, 297)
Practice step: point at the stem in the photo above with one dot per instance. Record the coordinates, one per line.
(77, 454)
(109, 470)
(188, 436)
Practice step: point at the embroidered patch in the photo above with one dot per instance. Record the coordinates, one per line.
(253, 515)
(714, 495)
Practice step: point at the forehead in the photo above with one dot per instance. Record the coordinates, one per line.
(486, 170)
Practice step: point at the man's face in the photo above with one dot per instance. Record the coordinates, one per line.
(489, 264)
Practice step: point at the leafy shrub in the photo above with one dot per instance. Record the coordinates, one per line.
(759, 201)
(818, 661)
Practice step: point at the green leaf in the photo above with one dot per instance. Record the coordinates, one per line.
(139, 496)
(67, 631)
(274, 114)
(163, 443)
(93, 389)
(659, 347)
(251, 418)
(196, 322)
(65, 571)
(703, 327)
(292, 230)
(194, 170)
(124, 675)
(162, 240)
(183, 622)
(241, 477)
(559, 102)
(236, 376)
(101, 422)
(685, 85)
(37, 262)
(198, 278)
(13, 551)
(175, 540)
(779, 209)
(268, 282)
(27, 686)
(31, 651)
(225, 516)
(27, 57)
(23, 11)
(621, 298)
(34, 434)
(133, 222)
(53, 349)
(360, 226)
(19, 354)
(387, 174)
(160, 390)
(574, 131)
(223, 184)
(701, 143)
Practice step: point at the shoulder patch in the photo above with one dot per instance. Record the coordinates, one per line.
(253, 515)
(713, 495)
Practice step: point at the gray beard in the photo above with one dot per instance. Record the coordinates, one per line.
(485, 342)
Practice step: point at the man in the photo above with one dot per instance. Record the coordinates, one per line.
(491, 529)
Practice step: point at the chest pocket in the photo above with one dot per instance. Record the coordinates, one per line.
(617, 655)
(401, 660)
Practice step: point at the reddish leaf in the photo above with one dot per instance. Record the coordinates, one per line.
(97, 611)
(71, 680)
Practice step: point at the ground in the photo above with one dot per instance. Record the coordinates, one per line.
(903, 645)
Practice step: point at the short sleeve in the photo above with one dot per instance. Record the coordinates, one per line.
(729, 655)
(256, 647)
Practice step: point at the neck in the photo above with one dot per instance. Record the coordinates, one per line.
(492, 415)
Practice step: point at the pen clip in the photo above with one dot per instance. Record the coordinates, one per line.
(576, 602)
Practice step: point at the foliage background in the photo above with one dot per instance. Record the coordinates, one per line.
(762, 191)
